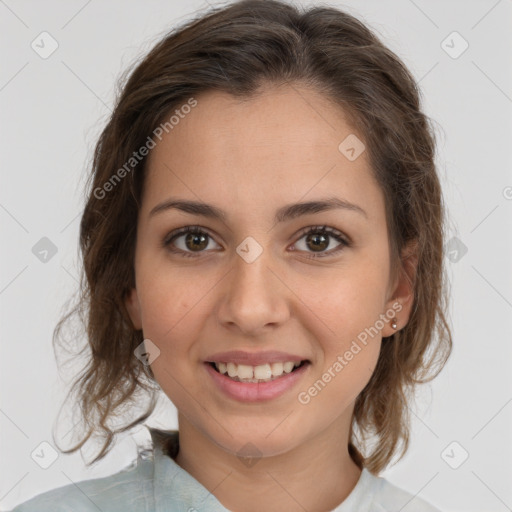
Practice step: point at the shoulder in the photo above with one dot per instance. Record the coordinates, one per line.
(129, 489)
(390, 498)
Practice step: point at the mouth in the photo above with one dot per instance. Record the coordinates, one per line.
(267, 372)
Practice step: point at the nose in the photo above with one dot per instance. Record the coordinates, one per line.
(255, 297)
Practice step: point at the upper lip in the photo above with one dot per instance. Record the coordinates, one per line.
(253, 358)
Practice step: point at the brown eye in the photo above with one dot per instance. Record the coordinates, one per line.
(318, 239)
(195, 241)
(192, 241)
(189, 241)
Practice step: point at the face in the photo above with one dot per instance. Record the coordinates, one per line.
(249, 282)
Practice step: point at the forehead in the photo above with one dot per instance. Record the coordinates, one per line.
(277, 147)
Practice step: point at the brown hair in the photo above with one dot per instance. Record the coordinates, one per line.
(236, 49)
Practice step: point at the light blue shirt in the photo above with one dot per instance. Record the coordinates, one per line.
(156, 483)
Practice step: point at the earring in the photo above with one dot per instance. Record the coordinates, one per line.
(393, 322)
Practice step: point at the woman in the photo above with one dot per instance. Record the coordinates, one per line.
(263, 242)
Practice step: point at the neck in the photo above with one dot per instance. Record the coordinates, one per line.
(316, 475)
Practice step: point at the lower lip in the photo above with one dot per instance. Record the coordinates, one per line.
(256, 391)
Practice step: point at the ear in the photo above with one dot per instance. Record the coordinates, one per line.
(133, 306)
(402, 293)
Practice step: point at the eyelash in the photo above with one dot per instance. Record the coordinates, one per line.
(333, 233)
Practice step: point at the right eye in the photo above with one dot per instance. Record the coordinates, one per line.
(193, 237)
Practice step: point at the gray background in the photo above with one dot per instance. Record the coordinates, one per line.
(52, 112)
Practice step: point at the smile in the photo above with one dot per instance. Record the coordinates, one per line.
(244, 384)
(261, 373)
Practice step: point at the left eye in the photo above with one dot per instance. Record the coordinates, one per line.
(196, 240)
(319, 237)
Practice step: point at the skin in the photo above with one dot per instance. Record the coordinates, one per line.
(250, 158)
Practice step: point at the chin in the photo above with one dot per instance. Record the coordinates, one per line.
(257, 440)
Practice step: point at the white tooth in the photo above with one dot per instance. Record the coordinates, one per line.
(232, 369)
(262, 371)
(245, 371)
(288, 367)
(277, 369)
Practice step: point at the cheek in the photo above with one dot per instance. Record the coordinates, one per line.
(166, 314)
(344, 379)
(349, 303)
(350, 345)
(168, 296)
(168, 321)
(349, 360)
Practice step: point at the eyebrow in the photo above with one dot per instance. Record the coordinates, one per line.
(285, 213)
